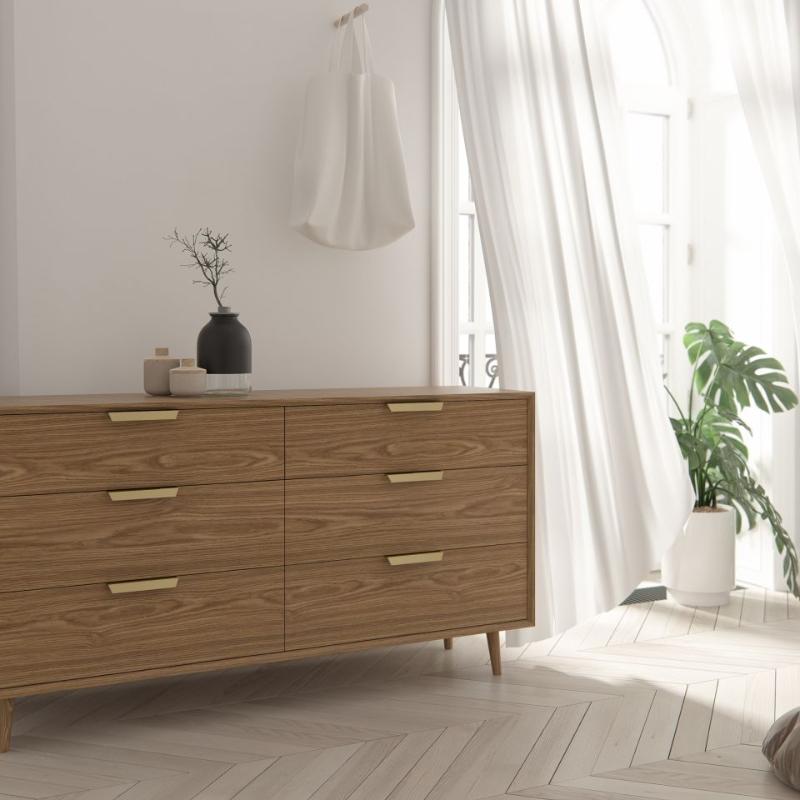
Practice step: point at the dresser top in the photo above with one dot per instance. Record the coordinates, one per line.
(42, 404)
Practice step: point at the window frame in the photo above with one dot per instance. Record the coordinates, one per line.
(444, 231)
(672, 102)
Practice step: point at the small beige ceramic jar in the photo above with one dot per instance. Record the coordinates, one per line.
(156, 371)
(187, 380)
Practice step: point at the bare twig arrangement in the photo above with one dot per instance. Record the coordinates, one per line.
(206, 250)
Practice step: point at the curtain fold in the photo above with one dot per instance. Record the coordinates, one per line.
(764, 46)
(570, 305)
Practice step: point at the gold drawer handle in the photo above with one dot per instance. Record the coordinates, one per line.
(144, 494)
(142, 416)
(415, 558)
(398, 408)
(149, 585)
(415, 477)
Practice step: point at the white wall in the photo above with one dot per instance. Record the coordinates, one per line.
(9, 342)
(135, 116)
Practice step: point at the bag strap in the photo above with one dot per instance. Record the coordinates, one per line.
(351, 50)
(366, 44)
(335, 52)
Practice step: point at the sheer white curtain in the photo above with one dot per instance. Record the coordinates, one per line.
(764, 44)
(570, 306)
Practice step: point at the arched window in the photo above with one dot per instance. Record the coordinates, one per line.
(656, 109)
(655, 112)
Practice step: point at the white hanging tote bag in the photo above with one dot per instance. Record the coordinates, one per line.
(350, 187)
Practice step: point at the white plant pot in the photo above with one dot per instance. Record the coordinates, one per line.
(700, 568)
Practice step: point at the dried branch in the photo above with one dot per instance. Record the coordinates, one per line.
(205, 249)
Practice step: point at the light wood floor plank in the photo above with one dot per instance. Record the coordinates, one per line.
(787, 689)
(754, 605)
(420, 780)
(544, 758)
(655, 626)
(542, 647)
(357, 769)
(630, 625)
(759, 707)
(231, 782)
(571, 641)
(492, 758)
(108, 793)
(585, 746)
(695, 720)
(391, 771)
(658, 731)
(730, 615)
(680, 620)
(574, 793)
(708, 778)
(777, 606)
(511, 696)
(740, 755)
(705, 619)
(604, 628)
(626, 789)
(298, 776)
(727, 717)
(66, 780)
(623, 738)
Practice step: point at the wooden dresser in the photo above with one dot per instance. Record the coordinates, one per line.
(144, 537)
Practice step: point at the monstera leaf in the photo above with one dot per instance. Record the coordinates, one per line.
(722, 429)
(733, 375)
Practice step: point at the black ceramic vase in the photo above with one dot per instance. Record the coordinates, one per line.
(225, 351)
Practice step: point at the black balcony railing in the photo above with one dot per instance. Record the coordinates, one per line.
(490, 369)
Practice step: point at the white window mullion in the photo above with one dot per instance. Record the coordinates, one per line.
(444, 186)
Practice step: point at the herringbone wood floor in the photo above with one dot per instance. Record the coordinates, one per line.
(647, 701)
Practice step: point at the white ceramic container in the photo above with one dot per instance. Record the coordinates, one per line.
(700, 568)
(156, 371)
(187, 380)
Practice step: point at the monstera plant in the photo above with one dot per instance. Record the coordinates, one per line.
(729, 376)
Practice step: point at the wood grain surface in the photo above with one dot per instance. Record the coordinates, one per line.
(493, 642)
(6, 721)
(62, 539)
(76, 403)
(257, 660)
(68, 539)
(352, 517)
(531, 508)
(368, 438)
(57, 634)
(85, 452)
(366, 598)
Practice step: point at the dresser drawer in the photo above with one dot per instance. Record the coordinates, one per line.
(84, 631)
(367, 438)
(367, 598)
(40, 454)
(329, 519)
(66, 539)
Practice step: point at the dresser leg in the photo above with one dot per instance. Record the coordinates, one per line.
(448, 644)
(6, 718)
(493, 640)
